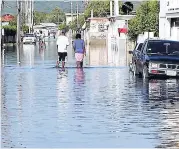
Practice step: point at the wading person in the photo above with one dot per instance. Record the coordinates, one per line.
(41, 40)
(79, 47)
(62, 43)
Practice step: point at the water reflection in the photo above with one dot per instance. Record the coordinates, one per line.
(164, 89)
(79, 76)
(49, 107)
(62, 98)
(62, 84)
(163, 98)
(28, 55)
(42, 53)
(79, 85)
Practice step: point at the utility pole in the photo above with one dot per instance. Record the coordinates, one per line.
(32, 14)
(77, 12)
(111, 8)
(127, 22)
(18, 36)
(71, 11)
(147, 19)
(1, 3)
(71, 17)
(116, 7)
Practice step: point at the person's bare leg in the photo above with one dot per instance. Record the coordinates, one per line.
(78, 64)
(58, 63)
(63, 64)
(81, 64)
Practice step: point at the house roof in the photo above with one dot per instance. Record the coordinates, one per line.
(38, 26)
(48, 24)
(7, 18)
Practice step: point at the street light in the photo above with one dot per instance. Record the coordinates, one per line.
(1, 31)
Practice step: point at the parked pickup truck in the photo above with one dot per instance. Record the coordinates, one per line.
(157, 58)
(135, 54)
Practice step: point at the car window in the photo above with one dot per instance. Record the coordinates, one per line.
(29, 35)
(143, 47)
(160, 46)
(139, 48)
(135, 46)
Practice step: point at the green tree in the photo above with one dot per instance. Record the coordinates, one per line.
(146, 19)
(133, 29)
(11, 29)
(81, 21)
(56, 16)
(63, 26)
(39, 17)
(100, 9)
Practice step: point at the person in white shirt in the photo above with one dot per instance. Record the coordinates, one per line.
(62, 43)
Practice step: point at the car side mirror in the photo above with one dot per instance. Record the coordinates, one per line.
(130, 52)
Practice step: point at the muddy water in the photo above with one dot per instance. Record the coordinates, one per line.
(43, 106)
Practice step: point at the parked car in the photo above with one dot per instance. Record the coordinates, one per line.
(158, 58)
(135, 53)
(29, 38)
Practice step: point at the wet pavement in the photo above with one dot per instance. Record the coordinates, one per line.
(43, 106)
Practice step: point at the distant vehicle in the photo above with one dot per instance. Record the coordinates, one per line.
(37, 34)
(29, 39)
(158, 58)
(52, 33)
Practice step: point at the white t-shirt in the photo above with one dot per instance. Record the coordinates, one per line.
(62, 42)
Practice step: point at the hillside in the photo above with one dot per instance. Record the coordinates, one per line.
(47, 6)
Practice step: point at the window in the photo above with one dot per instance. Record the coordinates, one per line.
(175, 22)
(140, 47)
(143, 47)
(164, 47)
(29, 35)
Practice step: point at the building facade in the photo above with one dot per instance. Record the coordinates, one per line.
(70, 17)
(169, 19)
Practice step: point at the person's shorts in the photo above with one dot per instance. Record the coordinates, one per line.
(62, 56)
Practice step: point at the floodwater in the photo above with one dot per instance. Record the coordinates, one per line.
(43, 106)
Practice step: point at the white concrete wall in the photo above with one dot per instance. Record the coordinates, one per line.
(175, 33)
(168, 8)
(116, 44)
(172, 6)
(69, 19)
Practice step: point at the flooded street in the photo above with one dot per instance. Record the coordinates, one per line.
(97, 106)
